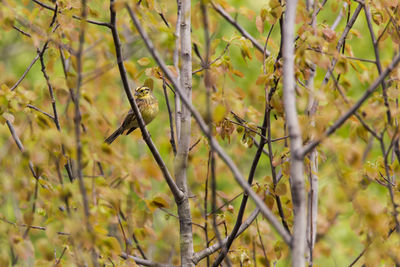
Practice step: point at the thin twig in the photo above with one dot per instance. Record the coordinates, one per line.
(378, 60)
(205, 216)
(262, 243)
(213, 61)
(49, 86)
(144, 262)
(194, 144)
(31, 226)
(234, 23)
(177, 217)
(123, 234)
(21, 147)
(171, 121)
(59, 258)
(74, 16)
(41, 111)
(25, 73)
(21, 31)
(138, 246)
(226, 203)
(342, 39)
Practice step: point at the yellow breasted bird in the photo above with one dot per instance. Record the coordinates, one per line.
(148, 106)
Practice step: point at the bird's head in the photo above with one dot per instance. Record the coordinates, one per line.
(142, 92)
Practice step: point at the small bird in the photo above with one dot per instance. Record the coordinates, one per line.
(148, 106)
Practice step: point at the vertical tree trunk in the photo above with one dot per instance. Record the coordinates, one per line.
(185, 219)
(313, 157)
(296, 160)
(178, 111)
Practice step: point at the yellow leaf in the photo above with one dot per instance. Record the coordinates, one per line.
(149, 83)
(238, 73)
(159, 202)
(280, 189)
(219, 113)
(144, 61)
(131, 69)
(100, 230)
(269, 201)
(71, 80)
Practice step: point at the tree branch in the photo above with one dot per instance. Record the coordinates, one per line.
(307, 148)
(341, 41)
(144, 262)
(25, 73)
(247, 35)
(378, 60)
(74, 16)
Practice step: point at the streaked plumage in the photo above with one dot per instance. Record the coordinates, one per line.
(148, 106)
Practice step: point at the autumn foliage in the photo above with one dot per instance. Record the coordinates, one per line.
(68, 199)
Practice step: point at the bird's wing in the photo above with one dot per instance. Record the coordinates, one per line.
(129, 120)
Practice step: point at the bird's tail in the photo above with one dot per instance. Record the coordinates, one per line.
(114, 135)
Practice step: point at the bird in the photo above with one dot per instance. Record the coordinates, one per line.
(148, 107)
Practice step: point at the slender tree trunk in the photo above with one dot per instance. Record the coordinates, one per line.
(313, 157)
(178, 111)
(298, 241)
(181, 160)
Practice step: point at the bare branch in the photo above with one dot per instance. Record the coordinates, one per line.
(31, 226)
(74, 16)
(59, 258)
(138, 246)
(378, 60)
(20, 146)
(341, 41)
(213, 61)
(21, 31)
(144, 262)
(41, 111)
(234, 23)
(171, 121)
(49, 86)
(25, 73)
